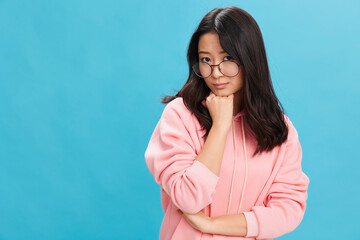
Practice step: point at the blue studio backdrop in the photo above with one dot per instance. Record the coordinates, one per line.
(80, 90)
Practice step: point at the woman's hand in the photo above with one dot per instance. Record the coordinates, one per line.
(199, 221)
(220, 109)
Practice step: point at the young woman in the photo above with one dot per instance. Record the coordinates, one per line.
(226, 156)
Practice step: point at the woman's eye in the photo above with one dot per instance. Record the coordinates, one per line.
(205, 59)
(228, 57)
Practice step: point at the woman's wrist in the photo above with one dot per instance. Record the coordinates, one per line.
(220, 129)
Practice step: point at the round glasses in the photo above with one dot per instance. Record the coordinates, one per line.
(226, 67)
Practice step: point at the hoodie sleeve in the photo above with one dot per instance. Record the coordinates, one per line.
(171, 159)
(285, 202)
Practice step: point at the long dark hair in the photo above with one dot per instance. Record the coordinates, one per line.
(241, 38)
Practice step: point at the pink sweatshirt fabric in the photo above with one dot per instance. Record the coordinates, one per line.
(270, 188)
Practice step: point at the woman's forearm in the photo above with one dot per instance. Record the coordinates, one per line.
(233, 225)
(212, 152)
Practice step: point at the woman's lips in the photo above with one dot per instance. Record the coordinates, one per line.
(220, 86)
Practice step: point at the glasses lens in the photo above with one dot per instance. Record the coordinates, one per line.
(202, 69)
(229, 68)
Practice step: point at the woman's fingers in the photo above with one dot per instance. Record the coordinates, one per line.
(211, 95)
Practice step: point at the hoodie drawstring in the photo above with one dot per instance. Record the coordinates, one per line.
(234, 170)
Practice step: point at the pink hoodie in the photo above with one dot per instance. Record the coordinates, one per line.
(270, 188)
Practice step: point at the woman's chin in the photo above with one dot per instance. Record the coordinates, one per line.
(221, 93)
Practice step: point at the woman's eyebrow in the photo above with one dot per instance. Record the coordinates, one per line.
(209, 53)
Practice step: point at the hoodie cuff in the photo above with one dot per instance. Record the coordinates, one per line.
(252, 224)
(198, 168)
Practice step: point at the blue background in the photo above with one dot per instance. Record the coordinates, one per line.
(80, 90)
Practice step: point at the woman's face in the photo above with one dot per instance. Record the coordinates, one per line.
(210, 51)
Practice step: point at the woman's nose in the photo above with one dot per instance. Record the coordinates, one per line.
(216, 72)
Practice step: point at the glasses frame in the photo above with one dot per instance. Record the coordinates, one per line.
(211, 66)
